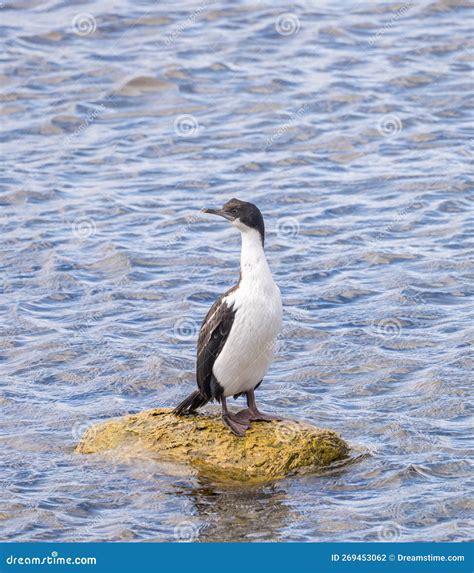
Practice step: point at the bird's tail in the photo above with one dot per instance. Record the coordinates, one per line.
(191, 403)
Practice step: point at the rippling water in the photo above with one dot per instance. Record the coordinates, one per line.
(348, 124)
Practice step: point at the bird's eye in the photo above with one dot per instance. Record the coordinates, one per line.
(235, 211)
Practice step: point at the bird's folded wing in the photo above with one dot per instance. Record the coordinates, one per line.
(212, 337)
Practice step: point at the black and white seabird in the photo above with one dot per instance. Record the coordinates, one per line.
(237, 337)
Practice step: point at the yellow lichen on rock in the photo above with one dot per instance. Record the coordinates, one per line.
(268, 451)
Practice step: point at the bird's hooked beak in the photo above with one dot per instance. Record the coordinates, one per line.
(219, 212)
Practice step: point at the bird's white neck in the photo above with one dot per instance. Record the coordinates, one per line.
(253, 263)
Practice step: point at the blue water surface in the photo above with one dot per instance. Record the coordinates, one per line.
(348, 124)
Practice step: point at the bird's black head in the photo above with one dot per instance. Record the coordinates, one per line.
(243, 215)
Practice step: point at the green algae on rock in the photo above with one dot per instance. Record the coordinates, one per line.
(269, 450)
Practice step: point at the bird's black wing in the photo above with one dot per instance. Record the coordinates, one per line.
(212, 337)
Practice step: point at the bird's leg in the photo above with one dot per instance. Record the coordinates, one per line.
(237, 427)
(252, 413)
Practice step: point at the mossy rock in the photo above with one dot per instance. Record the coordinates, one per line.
(269, 450)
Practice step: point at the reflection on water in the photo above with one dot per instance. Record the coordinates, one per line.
(240, 514)
(349, 127)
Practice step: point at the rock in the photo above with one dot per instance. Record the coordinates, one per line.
(144, 84)
(269, 450)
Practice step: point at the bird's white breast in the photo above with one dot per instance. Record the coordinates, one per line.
(249, 348)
